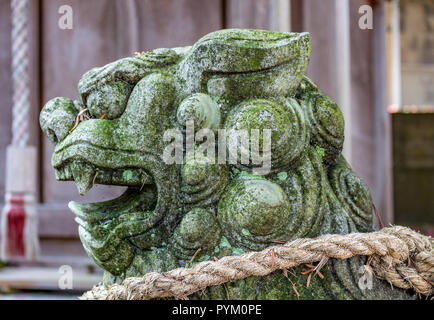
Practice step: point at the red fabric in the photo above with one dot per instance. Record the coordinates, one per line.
(16, 217)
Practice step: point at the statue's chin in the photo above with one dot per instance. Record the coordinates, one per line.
(107, 229)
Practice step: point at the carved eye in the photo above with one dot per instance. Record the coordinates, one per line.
(110, 99)
(201, 109)
(252, 211)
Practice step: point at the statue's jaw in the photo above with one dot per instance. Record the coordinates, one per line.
(108, 228)
(117, 152)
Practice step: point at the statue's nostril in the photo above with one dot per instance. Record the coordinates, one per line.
(52, 136)
(58, 117)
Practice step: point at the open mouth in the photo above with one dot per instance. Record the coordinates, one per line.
(129, 215)
(109, 152)
(126, 217)
(141, 195)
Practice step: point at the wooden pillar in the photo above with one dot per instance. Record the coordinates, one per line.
(6, 87)
(19, 222)
(296, 15)
(382, 122)
(342, 70)
(393, 55)
(280, 11)
(318, 19)
(248, 14)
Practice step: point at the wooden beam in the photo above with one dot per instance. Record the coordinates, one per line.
(45, 278)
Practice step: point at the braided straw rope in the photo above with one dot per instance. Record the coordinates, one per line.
(20, 73)
(398, 254)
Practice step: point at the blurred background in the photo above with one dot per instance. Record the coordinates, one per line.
(378, 65)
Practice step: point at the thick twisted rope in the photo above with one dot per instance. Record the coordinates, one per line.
(20, 73)
(399, 255)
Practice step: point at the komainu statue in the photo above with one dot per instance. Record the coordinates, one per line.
(158, 123)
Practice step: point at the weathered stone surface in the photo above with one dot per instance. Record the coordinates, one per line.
(175, 215)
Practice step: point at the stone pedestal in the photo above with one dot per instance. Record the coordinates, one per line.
(19, 215)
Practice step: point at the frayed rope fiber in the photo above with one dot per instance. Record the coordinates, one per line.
(397, 254)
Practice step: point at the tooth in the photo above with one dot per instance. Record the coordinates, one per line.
(83, 175)
(104, 176)
(59, 174)
(67, 172)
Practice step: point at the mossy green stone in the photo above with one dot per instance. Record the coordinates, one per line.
(201, 109)
(110, 100)
(176, 215)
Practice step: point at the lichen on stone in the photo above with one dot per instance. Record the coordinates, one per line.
(177, 215)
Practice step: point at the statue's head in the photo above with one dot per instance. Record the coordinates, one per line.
(162, 123)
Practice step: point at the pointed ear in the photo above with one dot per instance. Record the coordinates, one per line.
(241, 51)
(129, 70)
(57, 117)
